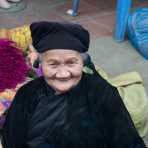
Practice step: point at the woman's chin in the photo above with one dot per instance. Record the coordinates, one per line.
(61, 91)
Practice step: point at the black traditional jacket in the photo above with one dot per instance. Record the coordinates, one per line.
(91, 115)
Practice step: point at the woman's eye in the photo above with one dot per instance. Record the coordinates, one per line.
(71, 63)
(53, 65)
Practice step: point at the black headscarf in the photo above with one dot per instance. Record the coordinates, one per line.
(58, 35)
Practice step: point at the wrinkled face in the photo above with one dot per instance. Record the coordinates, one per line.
(62, 69)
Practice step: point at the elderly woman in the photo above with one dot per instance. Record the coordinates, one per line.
(67, 108)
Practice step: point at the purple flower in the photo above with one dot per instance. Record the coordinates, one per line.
(38, 71)
(13, 67)
(6, 103)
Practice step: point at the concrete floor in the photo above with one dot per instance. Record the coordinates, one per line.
(99, 18)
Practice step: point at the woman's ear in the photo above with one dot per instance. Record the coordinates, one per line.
(36, 63)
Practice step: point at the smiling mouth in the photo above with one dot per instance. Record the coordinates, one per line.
(63, 80)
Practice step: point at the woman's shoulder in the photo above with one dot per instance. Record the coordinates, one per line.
(98, 85)
(29, 93)
(96, 79)
(33, 86)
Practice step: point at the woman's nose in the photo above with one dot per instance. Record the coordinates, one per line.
(62, 73)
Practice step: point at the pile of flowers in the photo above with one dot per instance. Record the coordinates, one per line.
(14, 72)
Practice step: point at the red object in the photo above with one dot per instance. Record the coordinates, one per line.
(13, 67)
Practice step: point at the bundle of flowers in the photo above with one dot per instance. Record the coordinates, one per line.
(14, 73)
(13, 67)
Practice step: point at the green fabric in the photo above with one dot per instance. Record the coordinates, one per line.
(131, 89)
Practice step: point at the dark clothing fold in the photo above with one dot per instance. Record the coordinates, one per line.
(91, 115)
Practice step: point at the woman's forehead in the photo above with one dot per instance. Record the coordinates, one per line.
(61, 53)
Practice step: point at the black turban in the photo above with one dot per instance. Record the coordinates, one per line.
(57, 35)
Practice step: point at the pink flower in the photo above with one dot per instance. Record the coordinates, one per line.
(13, 67)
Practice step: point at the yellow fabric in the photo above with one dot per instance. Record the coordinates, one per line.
(131, 89)
(20, 35)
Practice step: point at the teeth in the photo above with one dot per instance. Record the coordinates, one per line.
(63, 80)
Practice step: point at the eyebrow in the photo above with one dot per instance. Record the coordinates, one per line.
(69, 59)
(52, 60)
(73, 58)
